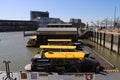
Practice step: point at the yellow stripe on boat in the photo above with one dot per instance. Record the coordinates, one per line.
(112, 70)
(56, 47)
(59, 40)
(63, 55)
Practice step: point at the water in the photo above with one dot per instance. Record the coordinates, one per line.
(13, 48)
(112, 57)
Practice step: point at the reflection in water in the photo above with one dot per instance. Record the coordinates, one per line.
(112, 57)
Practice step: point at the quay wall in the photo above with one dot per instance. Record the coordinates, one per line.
(108, 40)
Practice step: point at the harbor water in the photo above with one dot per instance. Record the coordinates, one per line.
(110, 56)
(13, 48)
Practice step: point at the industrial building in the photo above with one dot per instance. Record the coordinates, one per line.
(35, 14)
(60, 25)
(44, 21)
(38, 19)
(76, 22)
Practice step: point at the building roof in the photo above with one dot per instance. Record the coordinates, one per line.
(61, 24)
(57, 29)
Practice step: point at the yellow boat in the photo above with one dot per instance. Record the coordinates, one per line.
(32, 41)
(56, 47)
(64, 62)
(59, 40)
(64, 55)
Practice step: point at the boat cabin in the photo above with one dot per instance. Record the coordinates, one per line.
(43, 34)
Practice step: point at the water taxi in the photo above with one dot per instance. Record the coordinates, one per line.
(32, 41)
(63, 62)
(55, 48)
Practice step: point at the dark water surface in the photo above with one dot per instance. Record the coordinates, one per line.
(112, 57)
(13, 48)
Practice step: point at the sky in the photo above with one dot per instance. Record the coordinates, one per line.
(86, 10)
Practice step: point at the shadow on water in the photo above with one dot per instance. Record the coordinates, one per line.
(112, 57)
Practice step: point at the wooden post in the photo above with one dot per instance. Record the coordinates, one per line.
(112, 38)
(97, 37)
(94, 36)
(118, 44)
(104, 39)
(100, 38)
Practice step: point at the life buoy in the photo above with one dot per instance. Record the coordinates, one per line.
(89, 76)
